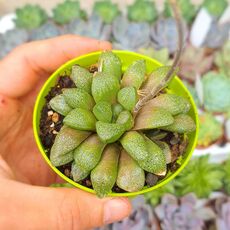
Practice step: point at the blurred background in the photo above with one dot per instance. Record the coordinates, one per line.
(199, 198)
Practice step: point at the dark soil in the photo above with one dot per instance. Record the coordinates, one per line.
(51, 123)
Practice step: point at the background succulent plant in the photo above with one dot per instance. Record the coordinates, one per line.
(107, 10)
(142, 11)
(215, 82)
(30, 17)
(227, 176)
(213, 8)
(112, 151)
(196, 177)
(210, 130)
(67, 11)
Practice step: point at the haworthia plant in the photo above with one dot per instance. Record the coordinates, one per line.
(99, 123)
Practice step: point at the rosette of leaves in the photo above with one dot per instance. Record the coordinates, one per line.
(215, 8)
(93, 27)
(216, 89)
(30, 17)
(211, 130)
(107, 10)
(201, 177)
(67, 11)
(187, 8)
(48, 30)
(103, 138)
(195, 61)
(11, 39)
(227, 176)
(142, 11)
(182, 213)
(130, 35)
(222, 59)
(164, 34)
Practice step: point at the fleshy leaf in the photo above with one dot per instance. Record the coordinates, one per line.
(103, 176)
(174, 104)
(78, 98)
(88, 154)
(82, 78)
(109, 132)
(153, 118)
(110, 63)
(166, 150)
(183, 123)
(105, 87)
(116, 109)
(80, 119)
(103, 111)
(127, 97)
(59, 104)
(62, 159)
(134, 75)
(131, 176)
(66, 141)
(125, 118)
(77, 172)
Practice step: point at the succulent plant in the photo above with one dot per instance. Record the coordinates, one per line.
(193, 92)
(188, 10)
(93, 27)
(106, 10)
(215, 8)
(67, 11)
(182, 214)
(161, 55)
(227, 176)
(217, 35)
(195, 61)
(200, 177)
(222, 59)
(142, 11)
(210, 130)
(164, 34)
(130, 35)
(212, 83)
(48, 30)
(11, 39)
(30, 17)
(93, 141)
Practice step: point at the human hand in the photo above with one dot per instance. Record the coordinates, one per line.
(24, 203)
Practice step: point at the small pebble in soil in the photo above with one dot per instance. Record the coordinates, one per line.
(151, 179)
(55, 117)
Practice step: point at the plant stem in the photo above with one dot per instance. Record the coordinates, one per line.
(174, 67)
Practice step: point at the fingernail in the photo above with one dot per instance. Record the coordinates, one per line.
(115, 210)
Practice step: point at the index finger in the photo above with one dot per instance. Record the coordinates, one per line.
(27, 64)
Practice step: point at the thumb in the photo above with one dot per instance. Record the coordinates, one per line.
(33, 207)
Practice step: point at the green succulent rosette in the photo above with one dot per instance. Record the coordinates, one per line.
(101, 137)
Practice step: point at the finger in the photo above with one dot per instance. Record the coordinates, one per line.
(23, 68)
(57, 208)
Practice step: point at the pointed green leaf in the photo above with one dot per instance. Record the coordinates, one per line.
(109, 132)
(103, 111)
(125, 118)
(127, 97)
(134, 143)
(82, 78)
(153, 118)
(110, 63)
(116, 109)
(62, 159)
(130, 177)
(88, 154)
(78, 98)
(166, 150)
(66, 141)
(183, 123)
(80, 119)
(59, 105)
(174, 104)
(134, 75)
(104, 175)
(105, 87)
(78, 173)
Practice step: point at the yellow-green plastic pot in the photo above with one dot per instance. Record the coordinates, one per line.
(127, 58)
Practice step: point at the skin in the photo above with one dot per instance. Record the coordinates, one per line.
(25, 201)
